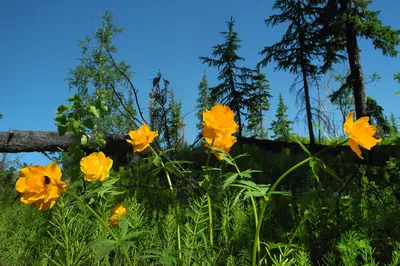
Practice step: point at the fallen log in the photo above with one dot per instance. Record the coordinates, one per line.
(16, 141)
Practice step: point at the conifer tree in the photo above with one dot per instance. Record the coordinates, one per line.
(256, 111)
(175, 122)
(347, 20)
(281, 126)
(203, 101)
(237, 88)
(394, 127)
(298, 48)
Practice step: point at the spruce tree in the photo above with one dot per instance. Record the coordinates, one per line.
(298, 48)
(203, 101)
(238, 88)
(255, 118)
(281, 126)
(345, 21)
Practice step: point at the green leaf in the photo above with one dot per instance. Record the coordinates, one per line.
(315, 168)
(124, 226)
(135, 235)
(301, 144)
(76, 125)
(84, 140)
(61, 118)
(157, 161)
(94, 111)
(103, 106)
(231, 178)
(75, 98)
(89, 123)
(62, 130)
(248, 173)
(104, 247)
(331, 172)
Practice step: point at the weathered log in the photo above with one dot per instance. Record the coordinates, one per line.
(377, 156)
(47, 141)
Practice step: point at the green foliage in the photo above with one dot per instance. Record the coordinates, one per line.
(281, 126)
(243, 89)
(97, 78)
(203, 101)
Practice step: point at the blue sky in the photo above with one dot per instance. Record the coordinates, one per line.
(39, 45)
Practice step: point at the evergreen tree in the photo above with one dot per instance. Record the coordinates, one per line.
(203, 101)
(175, 122)
(397, 78)
(98, 76)
(281, 126)
(394, 127)
(347, 20)
(256, 112)
(237, 88)
(298, 48)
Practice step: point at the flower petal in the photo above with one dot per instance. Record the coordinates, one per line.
(355, 148)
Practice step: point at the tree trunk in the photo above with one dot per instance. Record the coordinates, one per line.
(353, 52)
(308, 110)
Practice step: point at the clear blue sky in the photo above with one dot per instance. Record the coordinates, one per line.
(39, 44)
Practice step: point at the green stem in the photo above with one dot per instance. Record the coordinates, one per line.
(103, 223)
(210, 226)
(271, 190)
(178, 229)
(253, 203)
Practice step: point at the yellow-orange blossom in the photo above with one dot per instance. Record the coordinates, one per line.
(219, 124)
(96, 166)
(116, 213)
(360, 133)
(141, 138)
(41, 186)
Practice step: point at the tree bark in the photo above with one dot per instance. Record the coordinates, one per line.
(47, 141)
(39, 141)
(353, 52)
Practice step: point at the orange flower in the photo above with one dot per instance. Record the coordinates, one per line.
(141, 138)
(219, 121)
(360, 133)
(96, 166)
(116, 213)
(42, 186)
(222, 142)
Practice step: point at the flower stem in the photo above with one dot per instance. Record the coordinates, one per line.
(270, 193)
(102, 222)
(210, 224)
(178, 229)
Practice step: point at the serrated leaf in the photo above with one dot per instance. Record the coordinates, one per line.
(231, 178)
(104, 248)
(157, 161)
(124, 226)
(134, 235)
(248, 173)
